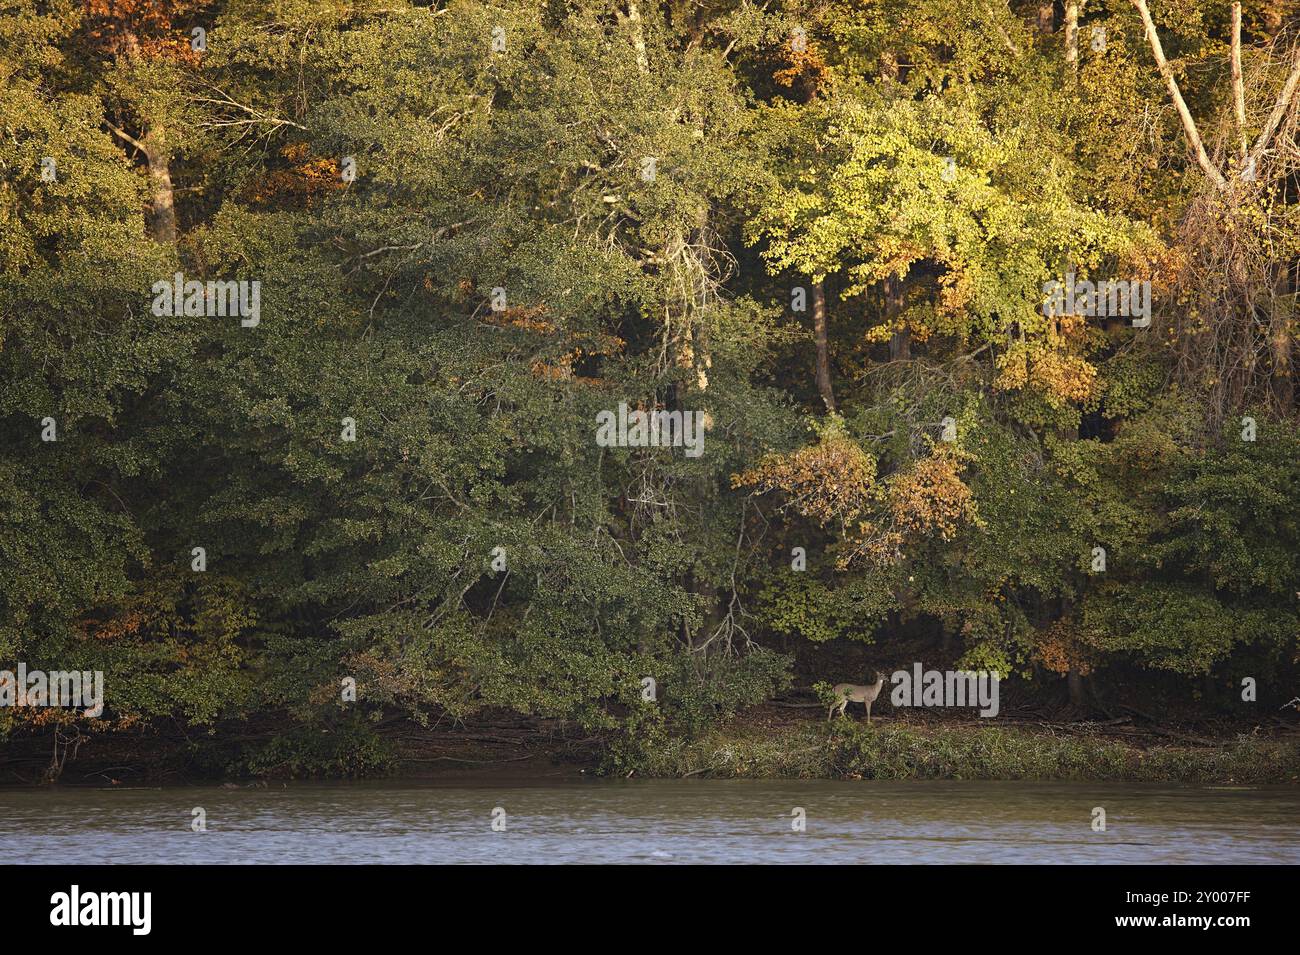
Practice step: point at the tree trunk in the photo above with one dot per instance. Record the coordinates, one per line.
(153, 145)
(1280, 347)
(1238, 86)
(945, 637)
(1074, 682)
(823, 346)
(638, 37)
(163, 214)
(162, 207)
(1072, 35)
(1073, 676)
(900, 342)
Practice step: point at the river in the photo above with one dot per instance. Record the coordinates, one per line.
(653, 821)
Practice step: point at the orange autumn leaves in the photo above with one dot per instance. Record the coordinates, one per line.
(805, 70)
(304, 179)
(533, 320)
(151, 29)
(1060, 648)
(1055, 373)
(1056, 361)
(835, 482)
(830, 482)
(930, 498)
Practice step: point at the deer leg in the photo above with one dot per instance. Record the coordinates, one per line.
(868, 712)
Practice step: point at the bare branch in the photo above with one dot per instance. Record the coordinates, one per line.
(1189, 124)
(130, 139)
(1006, 40)
(258, 117)
(1280, 107)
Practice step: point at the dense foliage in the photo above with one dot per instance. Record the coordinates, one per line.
(825, 227)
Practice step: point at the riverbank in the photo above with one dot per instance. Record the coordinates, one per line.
(766, 742)
(845, 750)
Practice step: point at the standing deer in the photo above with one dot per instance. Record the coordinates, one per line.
(846, 693)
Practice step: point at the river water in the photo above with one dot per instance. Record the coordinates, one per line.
(654, 821)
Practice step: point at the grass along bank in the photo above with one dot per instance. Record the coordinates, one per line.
(762, 743)
(844, 750)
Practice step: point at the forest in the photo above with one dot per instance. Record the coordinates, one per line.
(621, 370)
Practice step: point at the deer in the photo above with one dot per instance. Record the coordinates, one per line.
(846, 693)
